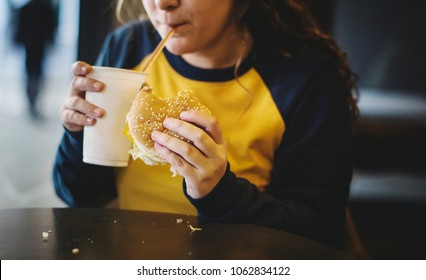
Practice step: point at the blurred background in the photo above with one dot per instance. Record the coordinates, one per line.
(385, 41)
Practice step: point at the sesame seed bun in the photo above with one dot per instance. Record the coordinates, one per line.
(147, 113)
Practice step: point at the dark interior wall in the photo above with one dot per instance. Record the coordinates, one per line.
(385, 41)
(96, 20)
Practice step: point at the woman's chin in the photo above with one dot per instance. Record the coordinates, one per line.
(176, 49)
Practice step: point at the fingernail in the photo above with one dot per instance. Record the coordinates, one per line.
(97, 85)
(84, 69)
(98, 112)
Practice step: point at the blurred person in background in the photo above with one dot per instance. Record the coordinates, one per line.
(36, 23)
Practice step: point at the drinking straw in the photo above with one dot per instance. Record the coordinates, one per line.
(157, 51)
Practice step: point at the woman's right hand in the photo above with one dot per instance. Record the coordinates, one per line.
(76, 111)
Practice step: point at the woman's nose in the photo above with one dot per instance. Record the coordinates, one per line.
(167, 5)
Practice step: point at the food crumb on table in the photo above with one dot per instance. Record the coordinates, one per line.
(45, 235)
(194, 228)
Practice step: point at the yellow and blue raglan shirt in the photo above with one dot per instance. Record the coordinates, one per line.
(288, 130)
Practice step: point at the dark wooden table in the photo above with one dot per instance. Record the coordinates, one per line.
(122, 234)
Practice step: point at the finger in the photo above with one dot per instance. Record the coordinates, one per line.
(80, 68)
(75, 121)
(182, 167)
(79, 85)
(76, 103)
(205, 121)
(182, 148)
(201, 139)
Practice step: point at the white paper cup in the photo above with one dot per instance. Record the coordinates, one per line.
(105, 143)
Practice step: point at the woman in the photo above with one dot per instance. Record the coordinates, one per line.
(276, 150)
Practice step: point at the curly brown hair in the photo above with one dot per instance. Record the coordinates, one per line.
(290, 28)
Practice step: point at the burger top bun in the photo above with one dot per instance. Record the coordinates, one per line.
(147, 114)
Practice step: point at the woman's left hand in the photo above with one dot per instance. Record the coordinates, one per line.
(202, 164)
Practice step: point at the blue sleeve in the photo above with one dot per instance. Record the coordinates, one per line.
(309, 186)
(77, 183)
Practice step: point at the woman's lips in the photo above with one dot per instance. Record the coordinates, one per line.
(177, 26)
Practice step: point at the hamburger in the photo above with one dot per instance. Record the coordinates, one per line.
(147, 113)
